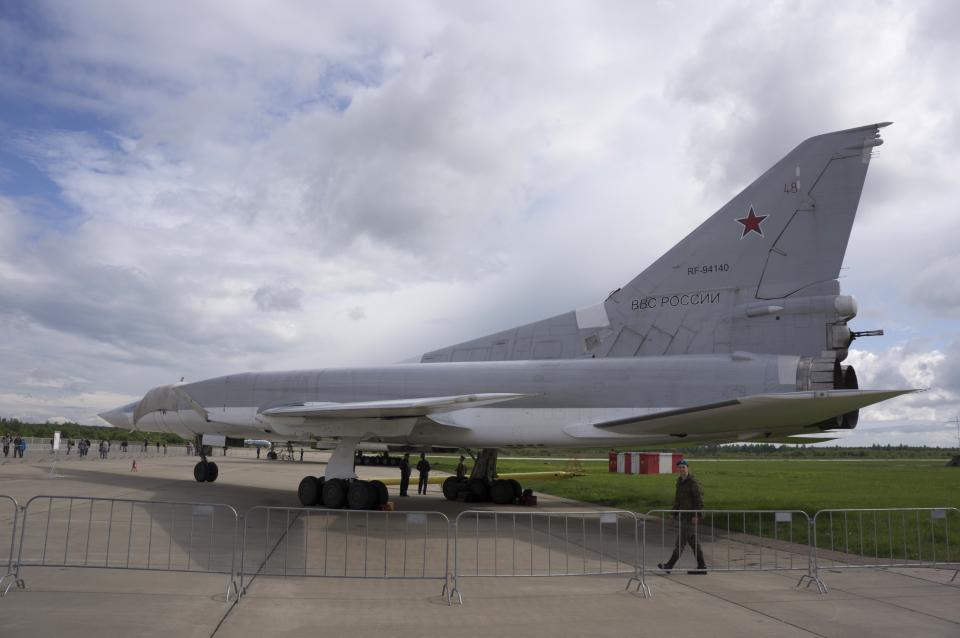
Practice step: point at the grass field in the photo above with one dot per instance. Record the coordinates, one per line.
(778, 484)
(756, 484)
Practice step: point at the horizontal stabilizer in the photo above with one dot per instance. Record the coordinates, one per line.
(758, 413)
(392, 408)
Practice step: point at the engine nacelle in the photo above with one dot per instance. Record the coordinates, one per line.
(829, 374)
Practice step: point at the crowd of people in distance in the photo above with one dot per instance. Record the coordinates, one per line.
(15, 442)
(18, 445)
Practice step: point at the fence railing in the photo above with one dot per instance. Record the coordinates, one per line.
(9, 517)
(284, 541)
(897, 537)
(68, 531)
(497, 543)
(104, 533)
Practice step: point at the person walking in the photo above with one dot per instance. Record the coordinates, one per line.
(423, 466)
(461, 470)
(687, 505)
(6, 444)
(404, 474)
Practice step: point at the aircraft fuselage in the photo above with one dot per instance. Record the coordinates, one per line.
(566, 398)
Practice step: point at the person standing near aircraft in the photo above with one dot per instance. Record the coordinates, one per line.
(461, 470)
(687, 502)
(423, 466)
(404, 474)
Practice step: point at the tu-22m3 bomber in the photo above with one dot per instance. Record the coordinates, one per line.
(737, 333)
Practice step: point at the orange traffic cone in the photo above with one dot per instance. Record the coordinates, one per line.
(133, 468)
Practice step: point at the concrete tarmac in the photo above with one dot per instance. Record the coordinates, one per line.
(71, 601)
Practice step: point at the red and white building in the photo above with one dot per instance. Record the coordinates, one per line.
(644, 462)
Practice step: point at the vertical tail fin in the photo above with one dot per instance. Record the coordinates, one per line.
(760, 274)
(786, 231)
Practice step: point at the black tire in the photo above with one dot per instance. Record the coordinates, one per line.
(479, 489)
(334, 493)
(382, 494)
(517, 488)
(361, 495)
(200, 472)
(501, 492)
(451, 488)
(320, 481)
(272, 456)
(212, 472)
(309, 491)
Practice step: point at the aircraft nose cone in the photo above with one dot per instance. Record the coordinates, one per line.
(118, 418)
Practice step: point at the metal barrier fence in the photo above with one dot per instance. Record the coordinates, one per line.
(8, 537)
(900, 537)
(129, 534)
(287, 541)
(58, 531)
(492, 543)
(731, 540)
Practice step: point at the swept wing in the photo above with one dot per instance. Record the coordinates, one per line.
(390, 409)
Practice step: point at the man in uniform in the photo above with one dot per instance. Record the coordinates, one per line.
(423, 466)
(404, 474)
(461, 470)
(689, 497)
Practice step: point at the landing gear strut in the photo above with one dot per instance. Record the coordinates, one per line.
(340, 486)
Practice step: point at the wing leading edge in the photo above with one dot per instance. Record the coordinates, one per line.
(761, 412)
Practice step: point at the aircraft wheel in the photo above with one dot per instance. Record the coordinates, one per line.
(361, 495)
(212, 472)
(517, 488)
(200, 472)
(272, 456)
(382, 494)
(334, 493)
(501, 492)
(320, 481)
(451, 488)
(479, 489)
(309, 491)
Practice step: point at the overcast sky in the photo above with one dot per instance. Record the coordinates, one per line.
(190, 189)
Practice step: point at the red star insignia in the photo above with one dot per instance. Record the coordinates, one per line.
(751, 223)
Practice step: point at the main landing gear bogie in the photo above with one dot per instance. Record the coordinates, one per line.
(478, 490)
(338, 493)
(205, 472)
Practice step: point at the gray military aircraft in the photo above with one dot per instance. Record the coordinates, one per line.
(737, 333)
